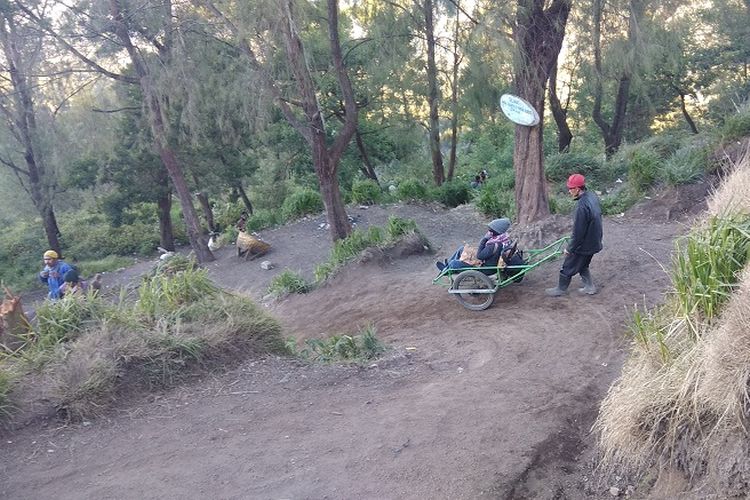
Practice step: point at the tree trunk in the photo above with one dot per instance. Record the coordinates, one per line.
(454, 95)
(198, 241)
(243, 196)
(338, 220)
(538, 36)
(51, 230)
(438, 172)
(208, 213)
(366, 166)
(22, 116)
(564, 135)
(613, 133)
(687, 116)
(166, 232)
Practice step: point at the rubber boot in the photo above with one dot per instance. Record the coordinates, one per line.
(561, 288)
(588, 283)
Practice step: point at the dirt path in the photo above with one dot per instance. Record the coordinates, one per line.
(492, 404)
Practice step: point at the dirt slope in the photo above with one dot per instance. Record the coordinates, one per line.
(492, 404)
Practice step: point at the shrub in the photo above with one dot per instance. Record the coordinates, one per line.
(686, 165)
(361, 347)
(411, 190)
(558, 167)
(618, 201)
(452, 194)
(165, 292)
(707, 264)
(494, 203)
(300, 203)
(288, 282)
(366, 192)
(397, 227)
(736, 126)
(561, 204)
(262, 219)
(6, 407)
(359, 240)
(643, 167)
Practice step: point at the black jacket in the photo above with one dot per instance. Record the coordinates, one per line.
(587, 225)
(488, 254)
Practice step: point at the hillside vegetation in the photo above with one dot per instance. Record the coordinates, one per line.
(682, 401)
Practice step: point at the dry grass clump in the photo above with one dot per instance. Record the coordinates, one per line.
(733, 196)
(682, 399)
(90, 351)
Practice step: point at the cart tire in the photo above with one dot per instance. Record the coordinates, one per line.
(474, 280)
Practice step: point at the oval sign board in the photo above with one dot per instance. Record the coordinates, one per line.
(518, 110)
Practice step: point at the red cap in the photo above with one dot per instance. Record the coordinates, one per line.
(576, 181)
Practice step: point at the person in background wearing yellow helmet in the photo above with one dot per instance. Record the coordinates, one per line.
(53, 272)
(585, 241)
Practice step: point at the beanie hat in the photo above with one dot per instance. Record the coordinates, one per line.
(71, 276)
(51, 254)
(576, 181)
(499, 225)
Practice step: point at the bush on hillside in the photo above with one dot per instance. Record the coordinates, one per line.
(736, 126)
(300, 203)
(686, 165)
(496, 203)
(411, 190)
(87, 348)
(452, 194)
(643, 169)
(366, 192)
(558, 167)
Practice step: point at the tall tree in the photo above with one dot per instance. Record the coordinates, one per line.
(612, 132)
(310, 122)
(559, 113)
(433, 94)
(21, 50)
(118, 25)
(538, 34)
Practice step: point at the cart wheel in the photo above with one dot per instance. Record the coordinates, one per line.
(474, 280)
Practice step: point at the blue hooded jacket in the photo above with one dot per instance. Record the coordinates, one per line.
(54, 278)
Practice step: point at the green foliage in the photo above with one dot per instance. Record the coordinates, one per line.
(86, 346)
(262, 219)
(452, 194)
(490, 148)
(352, 246)
(397, 227)
(707, 264)
(358, 348)
(411, 190)
(168, 289)
(643, 168)
(737, 126)
(686, 165)
(561, 204)
(558, 167)
(496, 203)
(288, 282)
(300, 203)
(6, 406)
(227, 213)
(366, 192)
(618, 201)
(64, 319)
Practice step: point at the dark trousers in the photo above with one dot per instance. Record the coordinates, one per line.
(575, 263)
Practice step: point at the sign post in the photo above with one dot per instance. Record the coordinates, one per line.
(518, 110)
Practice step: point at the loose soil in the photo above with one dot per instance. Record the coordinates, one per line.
(491, 404)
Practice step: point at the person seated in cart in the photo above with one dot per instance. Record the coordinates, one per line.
(491, 247)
